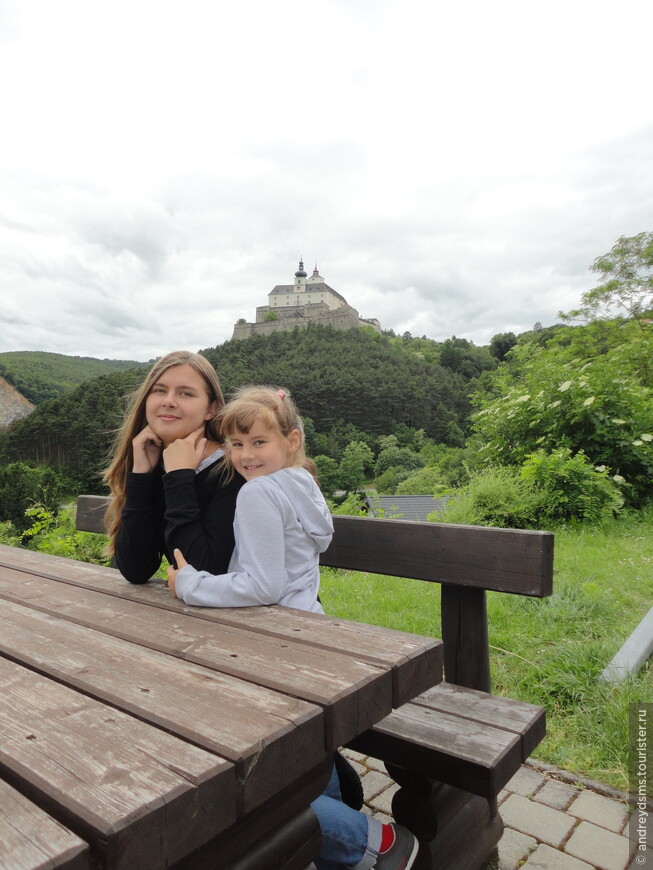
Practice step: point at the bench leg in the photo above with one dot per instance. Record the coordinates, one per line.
(457, 830)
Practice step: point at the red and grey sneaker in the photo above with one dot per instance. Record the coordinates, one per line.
(401, 855)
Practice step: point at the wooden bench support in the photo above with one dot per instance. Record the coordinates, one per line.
(469, 827)
(465, 635)
(451, 751)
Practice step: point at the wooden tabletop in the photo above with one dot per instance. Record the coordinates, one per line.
(137, 729)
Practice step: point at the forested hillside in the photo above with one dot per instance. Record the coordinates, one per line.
(73, 432)
(359, 377)
(39, 376)
(348, 385)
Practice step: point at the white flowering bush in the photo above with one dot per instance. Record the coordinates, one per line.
(588, 393)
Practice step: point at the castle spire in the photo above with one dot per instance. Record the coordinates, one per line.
(300, 273)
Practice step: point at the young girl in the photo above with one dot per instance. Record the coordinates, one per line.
(167, 477)
(282, 524)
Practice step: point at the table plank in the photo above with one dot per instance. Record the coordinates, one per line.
(140, 797)
(415, 661)
(270, 738)
(32, 840)
(319, 676)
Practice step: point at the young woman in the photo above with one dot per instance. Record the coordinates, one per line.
(168, 479)
(282, 524)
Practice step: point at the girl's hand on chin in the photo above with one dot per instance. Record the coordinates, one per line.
(185, 452)
(146, 447)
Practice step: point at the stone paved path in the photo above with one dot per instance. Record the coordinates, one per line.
(551, 822)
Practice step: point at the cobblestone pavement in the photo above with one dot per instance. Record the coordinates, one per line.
(552, 820)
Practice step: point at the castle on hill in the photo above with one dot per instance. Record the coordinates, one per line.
(307, 300)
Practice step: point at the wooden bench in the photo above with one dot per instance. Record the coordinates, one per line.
(456, 746)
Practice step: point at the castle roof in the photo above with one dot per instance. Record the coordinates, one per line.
(310, 288)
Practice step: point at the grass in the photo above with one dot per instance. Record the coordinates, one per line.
(550, 651)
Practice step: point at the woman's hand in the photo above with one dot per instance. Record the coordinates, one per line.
(172, 572)
(147, 451)
(185, 452)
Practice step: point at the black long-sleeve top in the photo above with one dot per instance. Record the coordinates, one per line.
(184, 509)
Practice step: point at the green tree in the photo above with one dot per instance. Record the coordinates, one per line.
(501, 343)
(356, 458)
(424, 482)
(388, 482)
(627, 273)
(398, 457)
(328, 474)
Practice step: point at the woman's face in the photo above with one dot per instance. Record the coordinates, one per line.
(178, 403)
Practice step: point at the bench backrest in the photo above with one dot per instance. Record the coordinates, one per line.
(466, 560)
(500, 560)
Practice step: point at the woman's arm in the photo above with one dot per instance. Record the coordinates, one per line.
(138, 545)
(199, 516)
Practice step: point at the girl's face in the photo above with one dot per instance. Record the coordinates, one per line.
(178, 403)
(261, 450)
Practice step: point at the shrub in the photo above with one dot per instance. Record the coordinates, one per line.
(494, 497)
(592, 395)
(549, 488)
(572, 487)
(352, 506)
(22, 486)
(8, 534)
(57, 535)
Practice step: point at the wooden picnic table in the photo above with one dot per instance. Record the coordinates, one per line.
(139, 732)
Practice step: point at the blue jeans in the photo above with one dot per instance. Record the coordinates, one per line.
(349, 838)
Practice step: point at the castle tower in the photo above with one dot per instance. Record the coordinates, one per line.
(300, 278)
(315, 278)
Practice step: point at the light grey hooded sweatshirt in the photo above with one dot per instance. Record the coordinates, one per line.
(281, 526)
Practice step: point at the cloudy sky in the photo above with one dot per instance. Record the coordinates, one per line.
(453, 168)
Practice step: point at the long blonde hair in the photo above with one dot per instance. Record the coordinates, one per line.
(115, 476)
(275, 408)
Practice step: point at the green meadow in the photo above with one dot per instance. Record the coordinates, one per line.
(547, 651)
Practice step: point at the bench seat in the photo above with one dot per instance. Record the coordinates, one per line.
(468, 739)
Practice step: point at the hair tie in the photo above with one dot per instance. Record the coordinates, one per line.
(281, 394)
